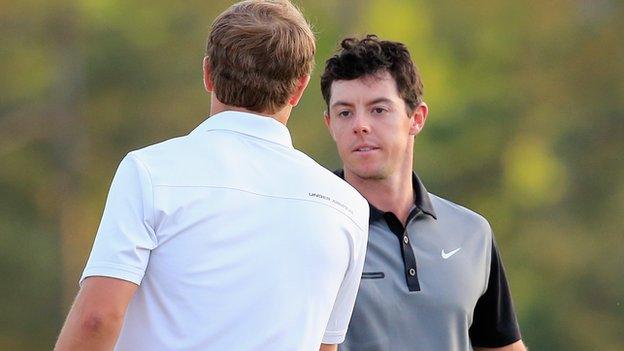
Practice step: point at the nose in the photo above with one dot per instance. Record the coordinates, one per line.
(361, 125)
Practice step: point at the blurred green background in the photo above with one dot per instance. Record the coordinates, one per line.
(526, 127)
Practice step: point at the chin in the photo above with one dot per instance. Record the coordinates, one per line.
(368, 173)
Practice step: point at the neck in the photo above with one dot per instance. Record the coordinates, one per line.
(392, 194)
(281, 116)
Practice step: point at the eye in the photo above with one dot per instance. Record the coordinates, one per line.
(344, 113)
(379, 110)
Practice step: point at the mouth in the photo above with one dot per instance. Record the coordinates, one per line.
(365, 148)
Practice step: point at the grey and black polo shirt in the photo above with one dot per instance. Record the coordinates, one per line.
(437, 284)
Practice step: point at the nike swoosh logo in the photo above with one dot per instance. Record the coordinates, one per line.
(446, 256)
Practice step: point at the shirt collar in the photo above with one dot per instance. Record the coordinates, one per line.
(422, 201)
(247, 123)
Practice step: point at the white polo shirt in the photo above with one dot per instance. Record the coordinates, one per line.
(236, 240)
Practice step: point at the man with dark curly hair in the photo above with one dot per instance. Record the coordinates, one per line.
(433, 277)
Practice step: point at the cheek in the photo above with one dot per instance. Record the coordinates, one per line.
(338, 134)
(397, 143)
(342, 147)
(338, 139)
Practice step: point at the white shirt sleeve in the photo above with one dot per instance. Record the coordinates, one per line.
(126, 236)
(336, 329)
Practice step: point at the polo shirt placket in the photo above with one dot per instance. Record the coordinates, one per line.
(422, 207)
(407, 253)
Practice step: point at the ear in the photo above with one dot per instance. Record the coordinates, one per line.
(327, 121)
(302, 83)
(419, 116)
(208, 85)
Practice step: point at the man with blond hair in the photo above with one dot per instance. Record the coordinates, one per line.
(228, 237)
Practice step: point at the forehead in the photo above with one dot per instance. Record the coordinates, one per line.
(369, 87)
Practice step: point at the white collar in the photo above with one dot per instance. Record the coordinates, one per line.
(258, 126)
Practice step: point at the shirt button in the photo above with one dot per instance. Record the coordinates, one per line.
(405, 239)
(412, 272)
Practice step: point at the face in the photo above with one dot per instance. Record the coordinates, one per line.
(372, 127)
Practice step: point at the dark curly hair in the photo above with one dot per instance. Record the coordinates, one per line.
(369, 56)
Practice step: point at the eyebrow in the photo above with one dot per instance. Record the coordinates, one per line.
(348, 104)
(379, 100)
(340, 103)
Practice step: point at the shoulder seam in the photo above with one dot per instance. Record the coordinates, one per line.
(151, 180)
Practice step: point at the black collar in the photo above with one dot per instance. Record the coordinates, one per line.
(422, 201)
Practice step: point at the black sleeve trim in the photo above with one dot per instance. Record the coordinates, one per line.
(494, 322)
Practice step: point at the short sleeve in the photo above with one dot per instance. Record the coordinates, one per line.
(494, 321)
(336, 329)
(125, 236)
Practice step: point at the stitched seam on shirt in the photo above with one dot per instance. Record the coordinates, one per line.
(113, 265)
(149, 176)
(488, 263)
(113, 271)
(264, 195)
(335, 333)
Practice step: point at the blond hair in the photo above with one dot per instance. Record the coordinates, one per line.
(257, 50)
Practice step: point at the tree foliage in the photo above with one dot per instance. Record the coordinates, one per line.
(526, 127)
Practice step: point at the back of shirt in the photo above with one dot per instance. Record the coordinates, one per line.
(236, 239)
